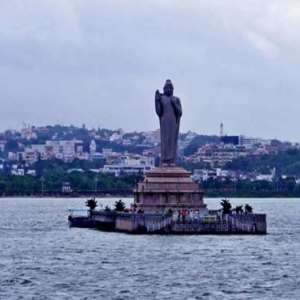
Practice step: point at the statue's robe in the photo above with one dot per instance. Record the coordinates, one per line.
(169, 111)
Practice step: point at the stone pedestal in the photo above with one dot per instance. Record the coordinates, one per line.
(167, 188)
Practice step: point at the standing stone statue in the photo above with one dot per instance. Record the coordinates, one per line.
(168, 109)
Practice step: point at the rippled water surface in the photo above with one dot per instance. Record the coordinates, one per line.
(42, 258)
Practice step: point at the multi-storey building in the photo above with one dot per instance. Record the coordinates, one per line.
(130, 164)
(250, 142)
(218, 155)
(66, 150)
(2, 146)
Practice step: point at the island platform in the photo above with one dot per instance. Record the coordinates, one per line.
(214, 222)
(168, 201)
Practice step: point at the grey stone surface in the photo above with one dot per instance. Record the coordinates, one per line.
(169, 111)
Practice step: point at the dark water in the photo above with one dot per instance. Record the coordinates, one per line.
(41, 258)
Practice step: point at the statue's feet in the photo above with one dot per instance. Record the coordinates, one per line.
(168, 165)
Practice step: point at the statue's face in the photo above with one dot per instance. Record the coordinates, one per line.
(168, 90)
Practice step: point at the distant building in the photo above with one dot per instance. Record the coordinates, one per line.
(66, 188)
(264, 177)
(30, 156)
(31, 172)
(130, 165)
(74, 170)
(35, 152)
(152, 138)
(17, 171)
(93, 147)
(116, 136)
(204, 174)
(250, 142)
(28, 132)
(217, 155)
(221, 130)
(2, 146)
(66, 150)
(107, 152)
(230, 139)
(12, 156)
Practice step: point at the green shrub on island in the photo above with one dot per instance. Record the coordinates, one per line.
(119, 205)
(248, 209)
(91, 203)
(107, 209)
(226, 208)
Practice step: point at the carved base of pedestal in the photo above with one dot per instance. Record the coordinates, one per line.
(167, 188)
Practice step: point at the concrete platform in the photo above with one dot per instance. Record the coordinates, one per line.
(149, 223)
(168, 188)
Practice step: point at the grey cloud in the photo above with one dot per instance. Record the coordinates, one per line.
(99, 63)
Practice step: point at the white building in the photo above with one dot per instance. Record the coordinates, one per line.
(93, 147)
(28, 132)
(12, 156)
(250, 142)
(33, 153)
(30, 156)
(152, 137)
(265, 177)
(2, 146)
(204, 174)
(107, 152)
(31, 172)
(218, 155)
(66, 188)
(130, 164)
(116, 136)
(65, 150)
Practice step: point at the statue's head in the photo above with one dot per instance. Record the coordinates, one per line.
(168, 88)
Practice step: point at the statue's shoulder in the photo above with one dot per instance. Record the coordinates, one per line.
(176, 99)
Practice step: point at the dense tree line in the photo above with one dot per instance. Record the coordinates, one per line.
(286, 162)
(261, 188)
(89, 182)
(53, 181)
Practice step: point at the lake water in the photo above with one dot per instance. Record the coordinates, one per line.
(42, 258)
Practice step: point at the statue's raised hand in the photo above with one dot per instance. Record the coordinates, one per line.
(157, 95)
(158, 104)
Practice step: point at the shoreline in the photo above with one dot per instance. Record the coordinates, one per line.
(132, 196)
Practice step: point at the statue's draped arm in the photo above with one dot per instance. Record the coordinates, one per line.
(177, 107)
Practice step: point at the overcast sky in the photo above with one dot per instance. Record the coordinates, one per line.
(99, 62)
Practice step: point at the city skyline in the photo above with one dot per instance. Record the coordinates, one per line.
(24, 127)
(230, 62)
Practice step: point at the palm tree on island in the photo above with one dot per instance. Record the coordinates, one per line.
(248, 209)
(91, 204)
(226, 206)
(239, 209)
